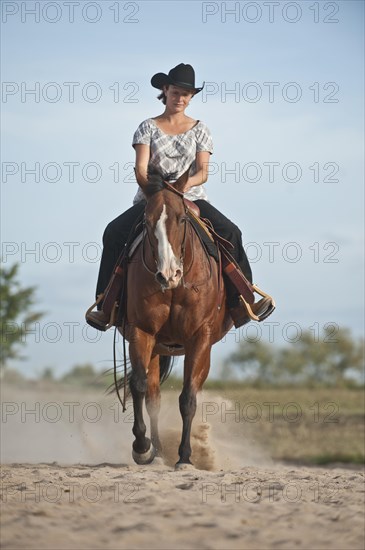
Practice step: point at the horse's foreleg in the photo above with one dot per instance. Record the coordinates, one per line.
(196, 369)
(140, 351)
(153, 400)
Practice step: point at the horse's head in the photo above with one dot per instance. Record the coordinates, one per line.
(165, 221)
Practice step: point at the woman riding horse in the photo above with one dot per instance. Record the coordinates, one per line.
(169, 144)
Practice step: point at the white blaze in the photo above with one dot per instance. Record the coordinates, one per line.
(167, 262)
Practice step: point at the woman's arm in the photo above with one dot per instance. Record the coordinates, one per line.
(141, 166)
(202, 170)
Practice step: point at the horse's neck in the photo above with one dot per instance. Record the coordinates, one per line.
(196, 257)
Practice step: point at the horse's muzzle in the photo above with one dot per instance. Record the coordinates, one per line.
(169, 282)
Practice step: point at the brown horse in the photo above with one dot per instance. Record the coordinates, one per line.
(176, 305)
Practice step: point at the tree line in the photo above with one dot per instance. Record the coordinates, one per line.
(329, 360)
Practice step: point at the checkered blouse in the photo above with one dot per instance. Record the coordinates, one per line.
(172, 155)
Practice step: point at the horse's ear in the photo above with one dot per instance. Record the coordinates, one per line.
(154, 182)
(181, 181)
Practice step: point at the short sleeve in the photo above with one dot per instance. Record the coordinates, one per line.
(142, 134)
(204, 141)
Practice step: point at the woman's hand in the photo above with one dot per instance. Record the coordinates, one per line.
(187, 186)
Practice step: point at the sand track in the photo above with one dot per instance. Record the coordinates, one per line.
(49, 506)
(68, 482)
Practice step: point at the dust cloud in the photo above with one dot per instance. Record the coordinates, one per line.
(73, 426)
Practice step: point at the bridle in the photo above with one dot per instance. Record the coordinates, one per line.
(146, 233)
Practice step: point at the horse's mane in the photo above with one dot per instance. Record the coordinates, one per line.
(155, 183)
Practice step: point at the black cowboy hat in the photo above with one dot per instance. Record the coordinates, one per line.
(182, 75)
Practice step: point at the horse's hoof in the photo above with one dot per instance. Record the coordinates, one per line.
(144, 458)
(184, 466)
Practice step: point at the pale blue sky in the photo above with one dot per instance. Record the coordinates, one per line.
(322, 130)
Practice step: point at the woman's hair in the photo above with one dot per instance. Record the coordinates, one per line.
(162, 97)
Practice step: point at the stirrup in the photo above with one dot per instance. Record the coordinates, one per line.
(113, 314)
(248, 307)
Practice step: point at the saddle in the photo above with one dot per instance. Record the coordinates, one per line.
(113, 298)
(231, 269)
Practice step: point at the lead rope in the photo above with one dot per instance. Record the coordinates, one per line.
(122, 401)
(124, 359)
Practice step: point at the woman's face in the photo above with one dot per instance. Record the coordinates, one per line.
(177, 99)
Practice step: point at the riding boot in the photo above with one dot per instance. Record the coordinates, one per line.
(239, 313)
(98, 320)
(109, 302)
(238, 310)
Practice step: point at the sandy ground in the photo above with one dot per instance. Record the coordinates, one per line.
(68, 482)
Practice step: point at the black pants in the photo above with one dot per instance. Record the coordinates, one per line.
(117, 231)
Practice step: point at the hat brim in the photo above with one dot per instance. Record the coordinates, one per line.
(160, 80)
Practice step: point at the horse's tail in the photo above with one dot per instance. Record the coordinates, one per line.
(166, 364)
(119, 385)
